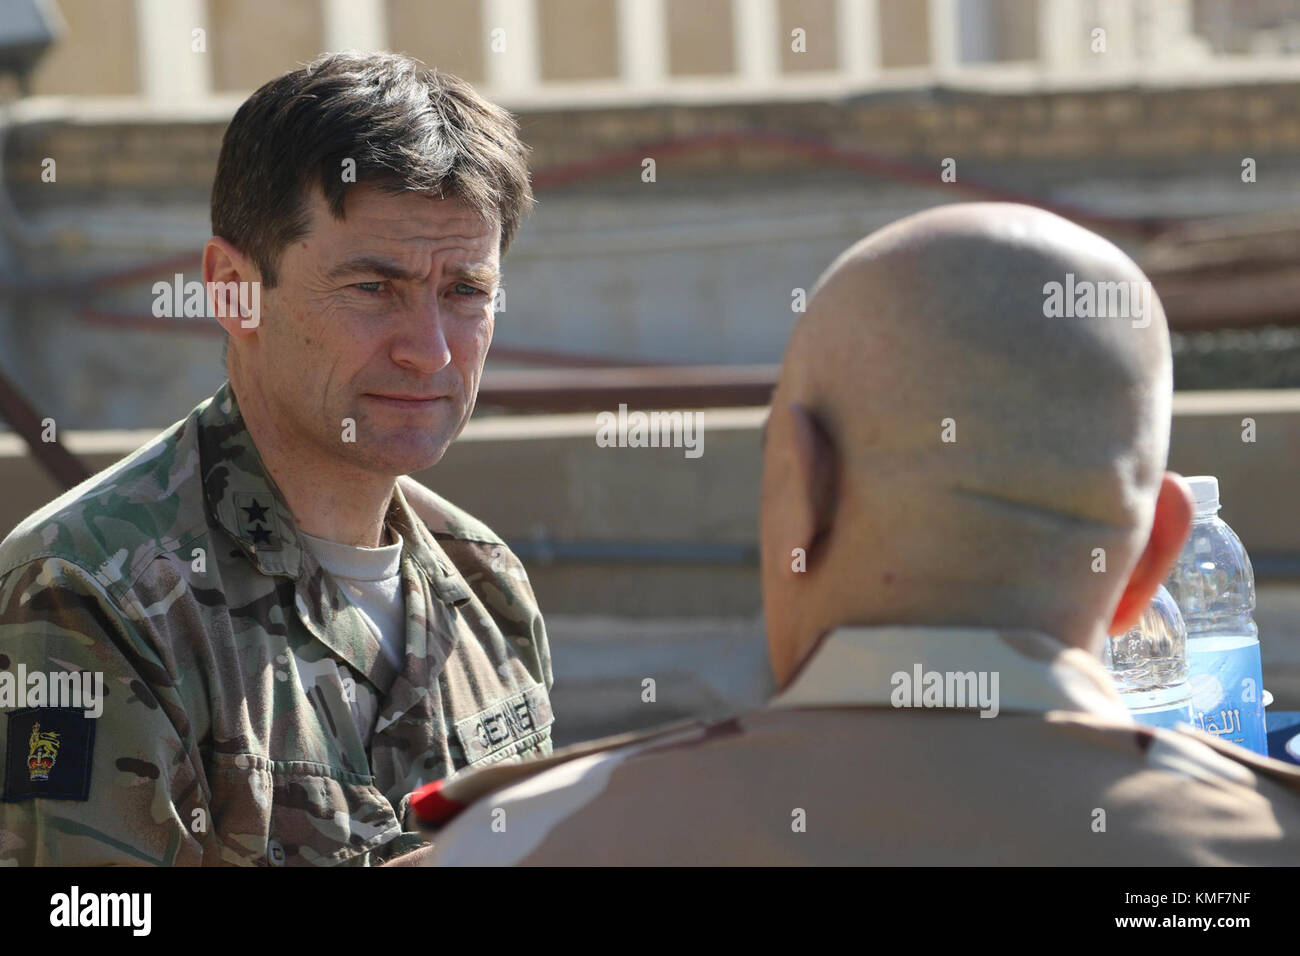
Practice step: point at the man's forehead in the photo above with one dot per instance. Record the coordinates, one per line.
(381, 216)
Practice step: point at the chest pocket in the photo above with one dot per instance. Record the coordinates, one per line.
(294, 813)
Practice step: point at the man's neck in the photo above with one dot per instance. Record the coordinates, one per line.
(327, 497)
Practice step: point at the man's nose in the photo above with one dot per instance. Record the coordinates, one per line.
(422, 342)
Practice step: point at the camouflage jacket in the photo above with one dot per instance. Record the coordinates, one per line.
(226, 734)
(855, 762)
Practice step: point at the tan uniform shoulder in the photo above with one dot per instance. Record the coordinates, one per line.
(1186, 751)
(442, 517)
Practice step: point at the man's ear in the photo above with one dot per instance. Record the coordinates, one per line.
(816, 471)
(224, 264)
(1173, 520)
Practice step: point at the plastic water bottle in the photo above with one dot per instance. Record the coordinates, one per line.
(1214, 585)
(1149, 665)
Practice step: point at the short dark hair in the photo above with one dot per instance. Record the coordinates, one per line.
(407, 127)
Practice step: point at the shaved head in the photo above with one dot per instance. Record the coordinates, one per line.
(975, 402)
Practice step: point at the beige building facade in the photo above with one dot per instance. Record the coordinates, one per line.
(178, 51)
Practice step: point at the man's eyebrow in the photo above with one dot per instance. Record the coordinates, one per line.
(485, 276)
(370, 265)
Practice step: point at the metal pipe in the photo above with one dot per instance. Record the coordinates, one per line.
(65, 467)
(543, 550)
(601, 389)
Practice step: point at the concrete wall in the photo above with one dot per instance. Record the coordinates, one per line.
(703, 668)
(710, 667)
(542, 481)
(694, 623)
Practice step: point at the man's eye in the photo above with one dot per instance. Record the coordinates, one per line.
(461, 288)
(372, 287)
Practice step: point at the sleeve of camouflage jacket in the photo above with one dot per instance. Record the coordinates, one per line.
(146, 803)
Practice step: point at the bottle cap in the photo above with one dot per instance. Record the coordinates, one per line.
(1205, 488)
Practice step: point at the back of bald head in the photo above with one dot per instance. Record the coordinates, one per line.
(995, 420)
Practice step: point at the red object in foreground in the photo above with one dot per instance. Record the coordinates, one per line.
(432, 807)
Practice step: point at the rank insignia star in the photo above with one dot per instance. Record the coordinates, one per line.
(258, 522)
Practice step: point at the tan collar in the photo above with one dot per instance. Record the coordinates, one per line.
(1025, 671)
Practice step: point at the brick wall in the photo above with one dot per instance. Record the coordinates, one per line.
(1166, 127)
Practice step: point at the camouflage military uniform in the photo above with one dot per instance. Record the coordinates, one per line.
(226, 734)
(832, 772)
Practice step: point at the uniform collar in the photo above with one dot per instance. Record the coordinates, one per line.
(444, 577)
(239, 492)
(246, 503)
(856, 667)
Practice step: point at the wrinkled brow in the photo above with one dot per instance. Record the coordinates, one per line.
(485, 276)
(370, 265)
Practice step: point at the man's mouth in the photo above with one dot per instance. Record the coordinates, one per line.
(406, 401)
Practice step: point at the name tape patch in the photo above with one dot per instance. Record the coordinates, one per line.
(504, 723)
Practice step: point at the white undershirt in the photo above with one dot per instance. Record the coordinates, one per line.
(371, 579)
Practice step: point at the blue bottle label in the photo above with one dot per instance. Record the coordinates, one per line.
(1226, 680)
(1165, 717)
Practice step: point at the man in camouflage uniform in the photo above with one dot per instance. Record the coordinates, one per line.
(259, 708)
(944, 462)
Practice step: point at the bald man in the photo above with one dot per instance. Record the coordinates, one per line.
(948, 454)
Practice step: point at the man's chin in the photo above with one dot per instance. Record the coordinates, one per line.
(403, 454)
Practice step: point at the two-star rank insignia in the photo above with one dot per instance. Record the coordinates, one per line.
(257, 520)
